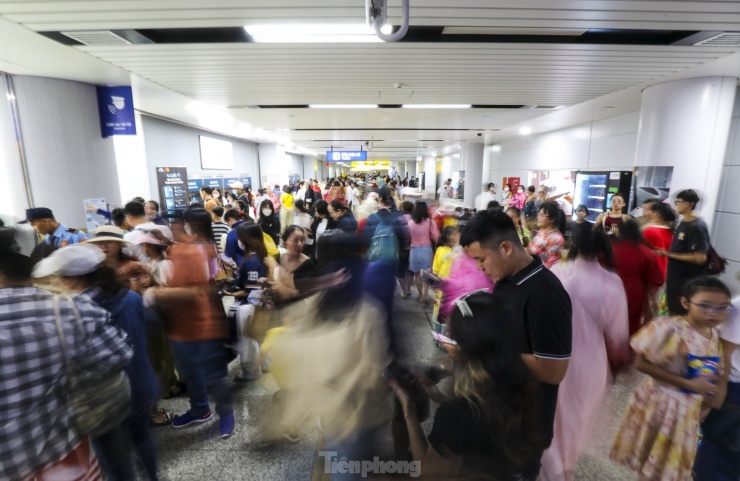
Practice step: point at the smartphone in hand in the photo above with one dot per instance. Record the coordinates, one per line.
(430, 279)
(443, 339)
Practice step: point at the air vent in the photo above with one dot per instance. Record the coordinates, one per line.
(724, 39)
(97, 38)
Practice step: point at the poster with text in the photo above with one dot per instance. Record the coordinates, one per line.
(92, 218)
(172, 184)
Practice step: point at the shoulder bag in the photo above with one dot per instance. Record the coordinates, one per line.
(100, 401)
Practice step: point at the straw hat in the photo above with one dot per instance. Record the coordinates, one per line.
(108, 233)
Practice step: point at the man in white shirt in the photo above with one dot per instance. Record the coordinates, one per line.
(718, 457)
(482, 199)
(354, 197)
(444, 192)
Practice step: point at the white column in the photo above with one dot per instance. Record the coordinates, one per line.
(429, 167)
(471, 157)
(685, 124)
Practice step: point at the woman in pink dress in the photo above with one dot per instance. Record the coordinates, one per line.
(599, 345)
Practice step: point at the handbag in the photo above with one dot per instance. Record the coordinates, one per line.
(100, 401)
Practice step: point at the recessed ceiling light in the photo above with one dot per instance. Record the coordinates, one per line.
(343, 106)
(307, 33)
(436, 106)
(525, 130)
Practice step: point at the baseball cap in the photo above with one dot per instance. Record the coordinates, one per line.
(73, 260)
(237, 185)
(37, 213)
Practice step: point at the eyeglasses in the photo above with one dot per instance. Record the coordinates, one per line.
(707, 309)
(679, 202)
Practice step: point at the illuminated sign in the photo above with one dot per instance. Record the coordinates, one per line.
(345, 155)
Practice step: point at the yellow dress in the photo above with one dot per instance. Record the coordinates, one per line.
(441, 266)
(659, 434)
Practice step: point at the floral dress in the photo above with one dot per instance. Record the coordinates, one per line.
(547, 245)
(659, 434)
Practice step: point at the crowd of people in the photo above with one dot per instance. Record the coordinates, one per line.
(536, 315)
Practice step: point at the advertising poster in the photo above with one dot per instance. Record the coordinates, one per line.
(557, 183)
(172, 183)
(92, 218)
(652, 183)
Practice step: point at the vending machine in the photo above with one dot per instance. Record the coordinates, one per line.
(595, 190)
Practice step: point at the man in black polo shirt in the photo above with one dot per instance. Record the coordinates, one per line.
(533, 293)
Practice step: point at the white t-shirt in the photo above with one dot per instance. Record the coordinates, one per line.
(444, 192)
(730, 331)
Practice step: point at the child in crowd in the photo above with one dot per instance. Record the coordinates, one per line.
(659, 434)
(441, 267)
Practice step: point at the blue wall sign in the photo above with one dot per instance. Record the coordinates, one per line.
(194, 185)
(345, 155)
(116, 108)
(247, 181)
(215, 183)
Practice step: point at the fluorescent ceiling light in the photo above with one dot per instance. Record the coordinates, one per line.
(343, 106)
(317, 33)
(525, 130)
(436, 106)
(565, 32)
(496, 148)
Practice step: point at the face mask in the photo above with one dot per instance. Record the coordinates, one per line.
(150, 217)
(521, 191)
(266, 212)
(506, 189)
(188, 230)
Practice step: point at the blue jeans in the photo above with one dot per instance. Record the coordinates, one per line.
(715, 459)
(357, 447)
(114, 449)
(380, 282)
(203, 366)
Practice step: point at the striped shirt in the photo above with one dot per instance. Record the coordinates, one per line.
(219, 229)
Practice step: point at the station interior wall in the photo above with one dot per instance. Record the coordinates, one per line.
(68, 160)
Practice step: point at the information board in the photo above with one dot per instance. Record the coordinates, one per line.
(172, 183)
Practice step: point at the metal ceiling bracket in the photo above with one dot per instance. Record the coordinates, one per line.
(377, 15)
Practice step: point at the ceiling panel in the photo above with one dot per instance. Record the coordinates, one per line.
(240, 74)
(61, 14)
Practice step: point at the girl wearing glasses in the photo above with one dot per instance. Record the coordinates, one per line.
(659, 434)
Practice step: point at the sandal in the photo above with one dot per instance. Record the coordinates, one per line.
(165, 422)
(177, 389)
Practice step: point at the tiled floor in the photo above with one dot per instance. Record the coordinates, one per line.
(198, 454)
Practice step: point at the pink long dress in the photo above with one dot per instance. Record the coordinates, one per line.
(600, 339)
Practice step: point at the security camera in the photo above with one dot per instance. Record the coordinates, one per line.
(479, 134)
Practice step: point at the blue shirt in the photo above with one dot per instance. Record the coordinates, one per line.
(63, 236)
(232, 249)
(250, 270)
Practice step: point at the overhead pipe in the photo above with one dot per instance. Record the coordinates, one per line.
(377, 15)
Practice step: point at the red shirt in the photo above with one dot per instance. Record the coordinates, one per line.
(659, 237)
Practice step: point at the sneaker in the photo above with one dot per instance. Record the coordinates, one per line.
(227, 425)
(243, 377)
(189, 418)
